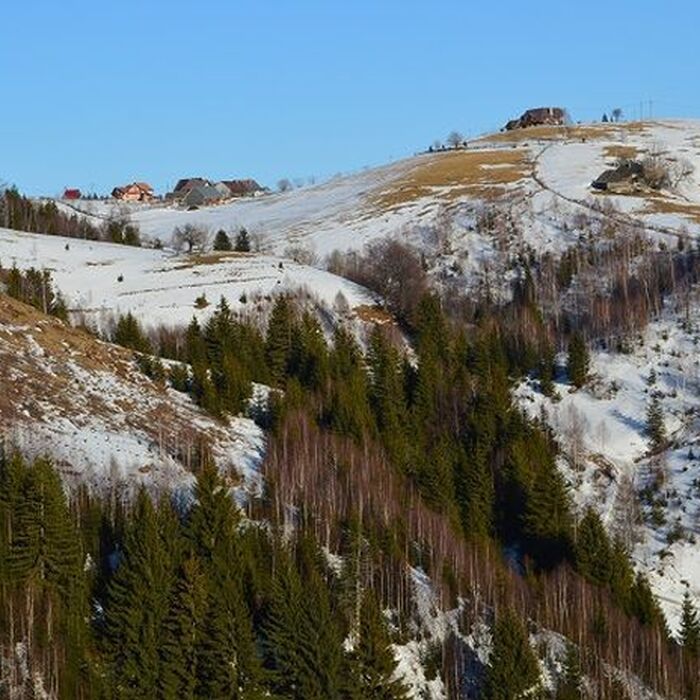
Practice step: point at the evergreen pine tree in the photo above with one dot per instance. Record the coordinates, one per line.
(592, 549)
(547, 516)
(128, 333)
(475, 488)
(228, 358)
(513, 669)
(347, 409)
(303, 639)
(579, 360)
(546, 370)
(228, 663)
(278, 341)
(138, 602)
(195, 347)
(571, 684)
(45, 562)
(373, 664)
(621, 574)
(690, 627)
(309, 361)
(182, 631)
(656, 428)
(222, 241)
(643, 604)
(434, 365)
(243, 241)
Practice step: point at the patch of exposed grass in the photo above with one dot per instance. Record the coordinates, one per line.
(569, 132)
(373, 314)
(213, 258)
(619, 152)
(448, 176)
(658, 204)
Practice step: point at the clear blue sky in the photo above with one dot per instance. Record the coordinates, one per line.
(97, 93)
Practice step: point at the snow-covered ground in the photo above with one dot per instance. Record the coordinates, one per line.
(100, 279)
(603, 431)
(88, 405)
(333, 215)
(347, 212)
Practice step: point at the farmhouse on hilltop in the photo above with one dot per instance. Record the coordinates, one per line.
(626, 178)
(553, 116)
(72, 194)
(195, 191)
(201, 195)
(135, 192)
(185, 184)
(242, 188)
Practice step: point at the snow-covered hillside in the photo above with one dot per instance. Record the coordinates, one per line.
(160, 287)
(651, 499)
(543, 172)
(87, 403)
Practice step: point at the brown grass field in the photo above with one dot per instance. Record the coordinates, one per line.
(455, 174)
(572, 131)
(658, 204)
(621, 152)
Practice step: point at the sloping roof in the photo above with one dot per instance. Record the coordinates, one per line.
(142, 189)
(187, 183)
(239, 187)
(202, 194)
(628, 170)
(222, 189)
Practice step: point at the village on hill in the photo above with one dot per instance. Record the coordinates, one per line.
(189, 192)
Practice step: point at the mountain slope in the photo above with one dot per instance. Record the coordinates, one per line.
(537, 170)
(88, 404)
(99, 279)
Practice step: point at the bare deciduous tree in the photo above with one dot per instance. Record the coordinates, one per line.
(680, 171)
(627, 516)
(390, 268)
(304, 255)
(258, 242)
(574, 425)
(455, 139)
(194, 237)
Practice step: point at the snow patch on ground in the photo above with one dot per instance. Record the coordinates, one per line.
(602, 429)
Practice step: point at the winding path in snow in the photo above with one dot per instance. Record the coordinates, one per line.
(617, 218)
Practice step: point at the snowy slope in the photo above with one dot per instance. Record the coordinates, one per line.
(88, 405)
(323, 217)
(158, 286)
(555, 167)
(602, 430)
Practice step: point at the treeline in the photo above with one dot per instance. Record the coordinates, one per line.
(100, 598)
(434, 461)
(609, 289)
(24, 214)
(34, 287)
(607, 286)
